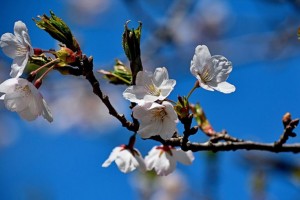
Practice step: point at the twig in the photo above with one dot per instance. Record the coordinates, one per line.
(223, 136)
(289, 126)
(87, 66)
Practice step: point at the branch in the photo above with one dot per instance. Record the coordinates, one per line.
(87, 66)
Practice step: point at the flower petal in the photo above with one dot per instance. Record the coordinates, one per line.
(222, 68)
(200, 58)
(19, 28)
(125, 161)
(46, 113)
(18, 66)
(225, 87)
(27, 114)
(183, 157)
(166, 164)
(113, 155)
(8, 86)
(9, 45)
(160, 75)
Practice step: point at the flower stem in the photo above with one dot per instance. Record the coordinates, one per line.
(196, 85)
(173, 102)
(51, 63)
(45, 73)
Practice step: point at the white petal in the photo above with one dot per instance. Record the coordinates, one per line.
(166, 88)
(27, 42)
(8, 86)
(168, 129)
(160, 75)
(9, 45)
(27, 114)
(143, 77)
(200, 58)
(141, 112)
(46, 113)
(165, 165)
(124, 161)
(205, 85)
(113, 155)
(150, 159)
(150, 129)
(15, 101)
(135, 93)
(222, 68)
(18, 66)
(19, 28)
(141, 163)
(225, 87)
(183, 157)
(170, 110)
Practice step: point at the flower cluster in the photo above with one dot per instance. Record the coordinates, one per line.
(161, 159)
(20, 95)
(157, 116)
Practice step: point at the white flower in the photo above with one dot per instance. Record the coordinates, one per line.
(22, 97)
(150, 87)
(126, 159)
(163, 159)
(156, 119)
(211, 71)
(17, 47)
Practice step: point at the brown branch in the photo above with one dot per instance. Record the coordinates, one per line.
(216, 137)
(230, 146)
(87, 66)
(289, 126)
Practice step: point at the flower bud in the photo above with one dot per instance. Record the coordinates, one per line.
(59, 30)
(201, 120)
(182, 107)
(131, 45)
(121, 75)
(66, 56)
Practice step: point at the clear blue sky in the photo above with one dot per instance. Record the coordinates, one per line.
(43, 161)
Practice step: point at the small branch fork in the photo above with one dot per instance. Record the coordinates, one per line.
(219, 141)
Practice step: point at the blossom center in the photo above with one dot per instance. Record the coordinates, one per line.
(159, 113)
(22, 50)
(24, 90)
(153, 90)
(206, 74)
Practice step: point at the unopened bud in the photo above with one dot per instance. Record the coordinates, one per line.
(66, 56)
(38, 83)
(286, 119)
(37, 51)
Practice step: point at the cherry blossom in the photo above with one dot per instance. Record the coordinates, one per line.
(163, 159)
(156, 119)
(21, 96)
(17, 47)
(127, 159)
(150, 87)
(211, 71)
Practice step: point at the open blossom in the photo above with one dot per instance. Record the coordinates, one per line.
(21, 96)
(163, 159)
(156, 119)
(211, 71)
(126, 159)
(17, 47)
(150, 87)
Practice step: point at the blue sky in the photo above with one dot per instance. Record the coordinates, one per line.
(63, 160)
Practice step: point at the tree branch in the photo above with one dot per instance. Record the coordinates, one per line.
(87, 66)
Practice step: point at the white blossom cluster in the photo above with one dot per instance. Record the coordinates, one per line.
(18, 94)
(155, 113)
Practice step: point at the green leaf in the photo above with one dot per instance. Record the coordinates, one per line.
(59, 30)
